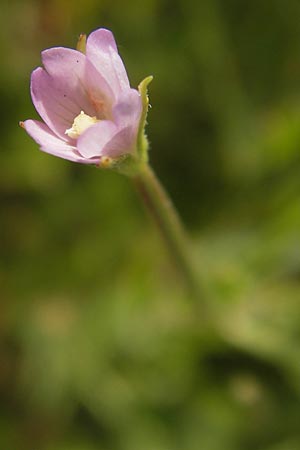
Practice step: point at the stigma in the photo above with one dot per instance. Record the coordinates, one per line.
(81, 123)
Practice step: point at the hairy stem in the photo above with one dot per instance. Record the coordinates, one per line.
(163, 212)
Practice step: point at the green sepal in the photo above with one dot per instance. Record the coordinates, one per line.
(142, 141)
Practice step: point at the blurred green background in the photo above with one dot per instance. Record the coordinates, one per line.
(99, 347)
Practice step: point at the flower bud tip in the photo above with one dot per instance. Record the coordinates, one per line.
(81, 43)
(21, 123)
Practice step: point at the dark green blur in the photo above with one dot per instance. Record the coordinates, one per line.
(99, 347)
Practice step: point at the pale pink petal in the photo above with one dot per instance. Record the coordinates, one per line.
(122, 143)
(93, 140)
(102, 51)
(53, 104)
(100, 94)
(60, 92)
(80, 78)
(128, 109)
(50, 143)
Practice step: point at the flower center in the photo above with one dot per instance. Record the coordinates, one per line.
(81, 123)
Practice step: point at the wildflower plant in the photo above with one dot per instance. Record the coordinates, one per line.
(91, 115)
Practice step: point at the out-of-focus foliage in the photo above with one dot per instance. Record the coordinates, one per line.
(99, 348)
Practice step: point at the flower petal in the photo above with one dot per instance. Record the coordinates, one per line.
(82, 82)
(99, 92)
(50, 143)
(93, 140)
(59, 92)
(102, 51)
(52, 103)
(126, 115)
(128, 109)
(123, 142)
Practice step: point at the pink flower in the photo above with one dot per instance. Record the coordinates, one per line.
(90, 114)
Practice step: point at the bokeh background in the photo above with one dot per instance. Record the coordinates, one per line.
(99, 347)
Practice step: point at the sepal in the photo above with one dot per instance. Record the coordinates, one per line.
(142, 141)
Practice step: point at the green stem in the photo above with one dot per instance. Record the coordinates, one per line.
(163, 212)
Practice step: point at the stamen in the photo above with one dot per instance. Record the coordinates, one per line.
(106, 162)
(81, 123)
